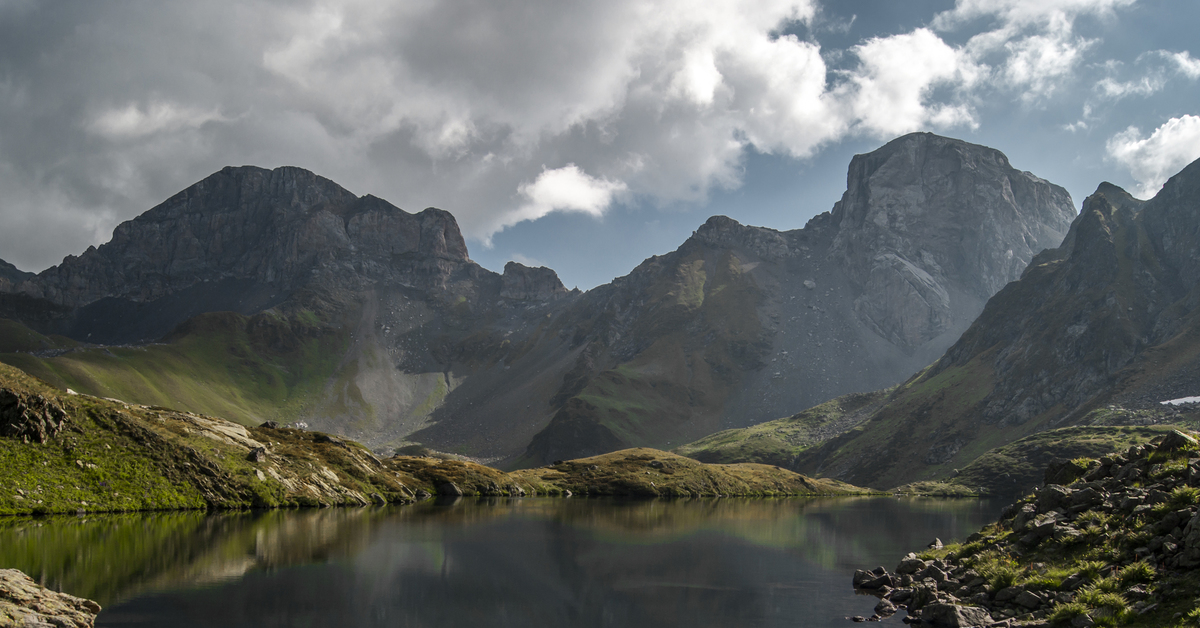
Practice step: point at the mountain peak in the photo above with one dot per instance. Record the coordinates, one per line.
(284, 228)
(523, 283)
(925, 214)
(726, 233)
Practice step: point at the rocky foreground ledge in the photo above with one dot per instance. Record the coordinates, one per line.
(28, 604)
(1107, 542)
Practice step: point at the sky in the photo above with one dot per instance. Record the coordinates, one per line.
(583, 136)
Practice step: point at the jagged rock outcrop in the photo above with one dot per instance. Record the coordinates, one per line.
(1109, 316)
(24, 602)
(523, 283)
(10, 276)
(29, 417)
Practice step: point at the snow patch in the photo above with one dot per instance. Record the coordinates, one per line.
(1180, 401)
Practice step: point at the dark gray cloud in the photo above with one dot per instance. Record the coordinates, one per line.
(506, 112)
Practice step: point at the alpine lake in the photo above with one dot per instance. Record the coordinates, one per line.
(523, 562)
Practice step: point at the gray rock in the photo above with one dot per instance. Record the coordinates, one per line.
(951, 615)
(1176, 440)
(1052, 497)
(909, 280)
(910, 565)
(31, 604)
(1010, 593)
(522, 283)
(30, 417)
(1028, 599)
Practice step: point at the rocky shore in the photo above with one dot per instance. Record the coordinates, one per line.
(28, 604)
(1107, 542)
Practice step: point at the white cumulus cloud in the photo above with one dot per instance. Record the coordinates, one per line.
(1152, 160)
(566, 189)
(888, 93)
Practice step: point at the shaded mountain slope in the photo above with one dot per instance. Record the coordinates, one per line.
(1110, 316)
(744, 324)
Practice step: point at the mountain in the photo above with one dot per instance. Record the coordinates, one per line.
(1099, 330)
(278, 295)
(11, 275)
(282, 296)
(744, 324)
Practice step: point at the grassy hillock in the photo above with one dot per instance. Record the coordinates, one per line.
(249, 369)
(1113, 541)
(779, 442)
(653, 473)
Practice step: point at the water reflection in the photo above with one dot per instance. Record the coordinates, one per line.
(520, 562)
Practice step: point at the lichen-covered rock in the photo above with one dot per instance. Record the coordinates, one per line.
(28, 604)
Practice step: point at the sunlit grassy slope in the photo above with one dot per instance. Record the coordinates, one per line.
(247, 369)
(779, 442)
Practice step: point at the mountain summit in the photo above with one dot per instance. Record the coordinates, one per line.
(744, 324)
(1095, 329)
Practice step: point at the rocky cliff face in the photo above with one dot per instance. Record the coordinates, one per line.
(11, 275)
(1111, 315)
(276, 227)
(743, 324)
(523, 283)
(926, 215)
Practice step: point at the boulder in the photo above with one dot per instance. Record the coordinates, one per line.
(910, 565)
(1028, 599)
(955, 616)
(1176, 440)
(1052, 497)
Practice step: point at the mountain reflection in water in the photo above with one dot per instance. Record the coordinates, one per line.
(500, 562)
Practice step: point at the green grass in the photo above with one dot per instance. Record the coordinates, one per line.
(247, 369)
(778, 442)
(16, 337)
(1020, 465)
(649, 472)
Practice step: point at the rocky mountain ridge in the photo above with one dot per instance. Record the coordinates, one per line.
(739, 325)
(744, 324)
(1108, 320)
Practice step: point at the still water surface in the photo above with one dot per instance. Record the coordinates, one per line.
(520, 562)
